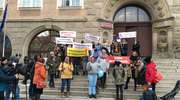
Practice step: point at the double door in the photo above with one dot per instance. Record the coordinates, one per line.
(144, 36)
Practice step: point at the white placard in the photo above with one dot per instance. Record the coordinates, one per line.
(60, 40)
(127, 35)
(69, 34)
(91, 37)
(83, 45)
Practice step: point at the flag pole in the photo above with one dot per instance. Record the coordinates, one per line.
(5, 30)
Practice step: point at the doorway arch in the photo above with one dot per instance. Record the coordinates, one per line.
(134, 18)
(43, 43)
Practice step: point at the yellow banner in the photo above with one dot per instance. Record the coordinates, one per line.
(75, 52)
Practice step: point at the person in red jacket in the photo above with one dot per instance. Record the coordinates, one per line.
(151, 72)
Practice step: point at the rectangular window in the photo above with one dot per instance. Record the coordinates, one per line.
(2, 4)
(70, 3)
(30, 3)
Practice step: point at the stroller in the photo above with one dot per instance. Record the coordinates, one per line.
(172, 94)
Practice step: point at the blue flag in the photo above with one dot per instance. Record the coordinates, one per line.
(4, 19)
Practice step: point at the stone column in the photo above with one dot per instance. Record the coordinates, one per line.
(154, 42)
(170, 42)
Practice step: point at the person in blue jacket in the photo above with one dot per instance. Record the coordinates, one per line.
(4, 78)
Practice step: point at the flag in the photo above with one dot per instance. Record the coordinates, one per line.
(4, 18)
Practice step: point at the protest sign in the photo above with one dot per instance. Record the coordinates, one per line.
(127, 35)
(75, 52)
(69, 34)
(122, 59)
(91, 38)
(61, 40)
(83, 45)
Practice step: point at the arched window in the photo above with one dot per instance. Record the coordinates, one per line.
(131, 14)
(43, 43)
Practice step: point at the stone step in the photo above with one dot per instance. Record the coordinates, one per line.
(79, 87)
(131, 94)
(108, 89)
(160, 85)
(55, 97)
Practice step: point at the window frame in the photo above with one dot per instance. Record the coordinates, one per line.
(3, 5)
(60, 6)
(138, 10)
(21, 7)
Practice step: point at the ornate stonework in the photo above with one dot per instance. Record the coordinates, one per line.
(162, 21)
(158, 9)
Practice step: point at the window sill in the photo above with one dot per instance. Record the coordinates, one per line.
(29, 8)
(71, 7)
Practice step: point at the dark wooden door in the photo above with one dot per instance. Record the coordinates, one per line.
(144, 35)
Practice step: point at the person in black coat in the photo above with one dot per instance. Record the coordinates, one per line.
(31, 70)
(4, 78)
(124, 48)
(136, 47)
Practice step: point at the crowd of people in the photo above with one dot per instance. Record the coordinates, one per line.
(58, 65)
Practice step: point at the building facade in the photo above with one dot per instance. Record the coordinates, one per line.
(157, 22)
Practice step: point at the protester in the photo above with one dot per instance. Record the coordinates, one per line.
(77, 63)
(136, 47)
(92, 68)
(148, 94)
(31, 69)
(10, 69)
(15, 59)
(66, 69)
(112, 48)
(133, 70)
(141, 79)
(119, 76)
(39, 79)
(151, 72)
(52, 63)
(104, 66)
(4, 78)
(84, 64)
(124, 48)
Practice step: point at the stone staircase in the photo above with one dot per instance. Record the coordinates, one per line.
(79, 90)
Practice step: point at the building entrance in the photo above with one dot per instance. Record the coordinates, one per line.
(134, 18)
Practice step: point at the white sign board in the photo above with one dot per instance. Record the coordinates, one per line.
(83, 45)
(127, 35)
(60, 40)
(91, 37)
(69, 34)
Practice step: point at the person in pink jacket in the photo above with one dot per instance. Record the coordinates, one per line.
(151, 72)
